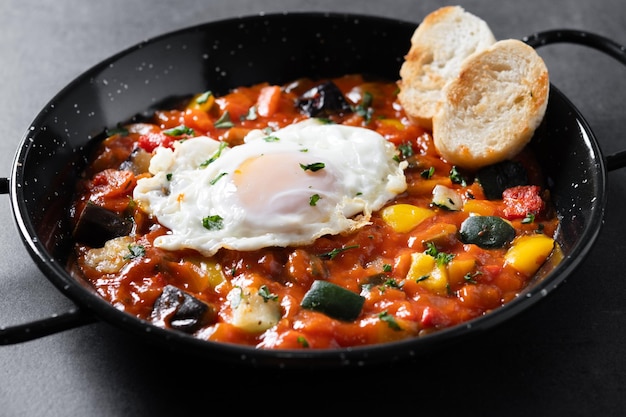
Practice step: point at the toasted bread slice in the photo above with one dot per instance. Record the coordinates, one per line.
(491, 110)
(438, 47)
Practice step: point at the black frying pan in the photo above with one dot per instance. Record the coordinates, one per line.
(274, 48)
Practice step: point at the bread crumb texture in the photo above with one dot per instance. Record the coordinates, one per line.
(491, 110)
(483, 99)
(439, 45)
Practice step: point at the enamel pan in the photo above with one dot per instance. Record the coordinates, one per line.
(274, 48)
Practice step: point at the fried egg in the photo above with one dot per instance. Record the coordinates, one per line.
(283, 188)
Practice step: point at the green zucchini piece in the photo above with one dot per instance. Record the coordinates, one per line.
(333, 300)
(488, 232)
(496, 178)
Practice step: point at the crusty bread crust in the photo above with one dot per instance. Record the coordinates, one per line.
(491, 110)
(438, 47)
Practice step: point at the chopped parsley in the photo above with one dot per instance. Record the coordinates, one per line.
(217, 154)
(214, 180)
(214, 222)
(364, 108)
(303, 342)
(265, 293)
(441, 258)
(179, 131)
(204, 97)
(333, 253)
(132, 204)
(136, 251)
(314, 199)
(224, 121)
(390, 320)
(389, 283)
(316, 166)
(456, 177)
(406, 150)
(469, 277)
(428, 173)
(251, 115)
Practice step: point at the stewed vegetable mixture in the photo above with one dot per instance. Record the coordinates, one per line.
(449, 247)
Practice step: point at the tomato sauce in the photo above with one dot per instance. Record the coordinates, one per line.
(377, 262)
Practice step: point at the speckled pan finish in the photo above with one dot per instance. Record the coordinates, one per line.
(243, 51)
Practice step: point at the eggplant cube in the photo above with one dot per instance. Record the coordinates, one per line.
(181, 311)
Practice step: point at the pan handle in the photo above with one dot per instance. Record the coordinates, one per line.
(42, 327)
(4, 186)
(592, 40)
(77, 317)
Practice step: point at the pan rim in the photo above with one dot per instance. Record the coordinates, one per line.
(358, 356)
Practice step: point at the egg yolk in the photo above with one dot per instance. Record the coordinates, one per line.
(278, 183)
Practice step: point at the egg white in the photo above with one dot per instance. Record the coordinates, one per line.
(266, 192)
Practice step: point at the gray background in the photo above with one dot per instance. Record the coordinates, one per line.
(565, 356)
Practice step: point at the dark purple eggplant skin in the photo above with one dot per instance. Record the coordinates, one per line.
(96, 225)
(323, 100)
(181, 310)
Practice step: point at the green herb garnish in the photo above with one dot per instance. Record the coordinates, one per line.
(179, 131)
(265, 293)
(469, 277)
(214, 180)
(316, 166)
(136, 251)
(441, 258)
(224, 121)
(364, 108)
(202, 98)
(314, 199)
(251, 115)
(406, 150)
(217, 154)
(214, 222)
(456, 177)
(390, 320)
(303, 342)
(428, 173)
(333, 253)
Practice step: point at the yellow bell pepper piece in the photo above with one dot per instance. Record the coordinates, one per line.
(404, 217)
(207, 273)
(202, 101)
(458, 268)
(480, 207)
(392, 123)
(427, 273)
(529, 252)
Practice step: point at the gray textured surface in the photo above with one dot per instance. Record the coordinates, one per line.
(566, 356)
